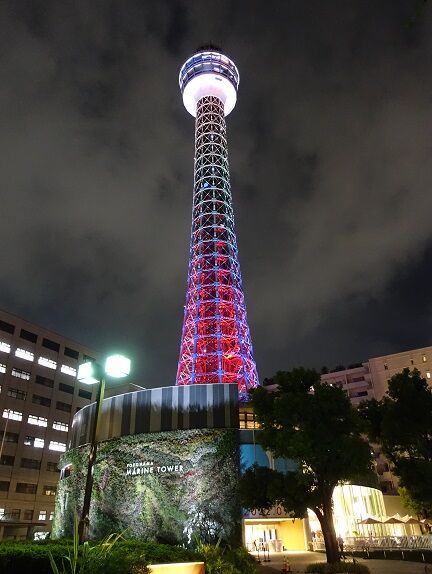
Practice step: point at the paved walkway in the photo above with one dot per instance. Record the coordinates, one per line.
(299, 560)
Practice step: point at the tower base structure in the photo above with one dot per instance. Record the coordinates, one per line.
(167, 467)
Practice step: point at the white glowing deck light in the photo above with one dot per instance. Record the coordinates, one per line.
(209, 73)
(218, 86)
(117, 366)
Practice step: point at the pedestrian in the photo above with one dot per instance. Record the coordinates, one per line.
(340, 542)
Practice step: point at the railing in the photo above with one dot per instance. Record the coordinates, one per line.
(382, 543)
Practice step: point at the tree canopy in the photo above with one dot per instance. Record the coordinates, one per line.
(315, 425)
(401, 422)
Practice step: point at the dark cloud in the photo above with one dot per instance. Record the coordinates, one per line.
(330, 151)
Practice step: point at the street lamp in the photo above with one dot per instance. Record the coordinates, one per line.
(91, 373)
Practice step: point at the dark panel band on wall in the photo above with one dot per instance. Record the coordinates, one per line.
(162, 409)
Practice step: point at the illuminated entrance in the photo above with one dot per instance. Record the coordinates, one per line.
(274, 532)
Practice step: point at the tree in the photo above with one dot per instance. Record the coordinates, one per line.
(315, 425)
(401, 422)
(414, 506)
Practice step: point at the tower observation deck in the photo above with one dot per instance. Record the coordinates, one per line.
(216, 345)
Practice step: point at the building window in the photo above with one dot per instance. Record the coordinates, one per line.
(63, 407)
(68, 370)
(424, 359)
(24, 354)
(48, 344)
(30, 463)
(71, 353)
(58, 425)
(247, 420)
(2, 368)
(7, 460)
(412, 361)
(10, 437)
(20, 374)
(385, 366)
(34, 441)
(42, 515)
(52, 467)
(7, 327)
(28, 514)
(428, 374)
(66, 388)
(38, 421)
(49, 490)
(57, 446)
(87, 358)
(4, 347)
(26, 488)
(85, 394)
(12, 514)
(51, 515)
(12, 415)
(45, 362)
(4, 485)
(17, 394)
(38, 400)
(28, 336)
(44, 381)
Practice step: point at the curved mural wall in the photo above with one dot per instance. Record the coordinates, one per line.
(169, 483)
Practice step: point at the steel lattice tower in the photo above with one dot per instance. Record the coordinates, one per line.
(216, 345)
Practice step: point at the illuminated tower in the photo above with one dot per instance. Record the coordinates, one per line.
(216, 345)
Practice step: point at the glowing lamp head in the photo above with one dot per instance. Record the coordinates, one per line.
(89, 373)
(117, 366)
(209, 73)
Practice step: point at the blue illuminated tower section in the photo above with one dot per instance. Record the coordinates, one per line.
(216, 345)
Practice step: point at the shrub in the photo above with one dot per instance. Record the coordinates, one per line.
(242, 560)
(33, 557)
(338, 567)
(156, 553)
(29, 557)
(219, 560)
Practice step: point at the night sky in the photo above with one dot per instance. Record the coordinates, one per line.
(330, 149)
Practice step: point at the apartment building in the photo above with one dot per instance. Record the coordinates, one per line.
(39, 395)
(356, 382)
(370, 380)
(381, 369)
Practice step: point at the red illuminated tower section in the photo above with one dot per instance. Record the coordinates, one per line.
(216, 345)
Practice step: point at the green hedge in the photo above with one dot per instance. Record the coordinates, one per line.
(339, 567)
(396, 554)
(156, 553)
(33, 557)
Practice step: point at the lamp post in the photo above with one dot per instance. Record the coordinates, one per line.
(91, 373)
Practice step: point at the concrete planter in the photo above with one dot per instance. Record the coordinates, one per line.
(178, 568)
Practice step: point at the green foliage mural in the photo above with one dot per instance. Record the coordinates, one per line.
(169, 486)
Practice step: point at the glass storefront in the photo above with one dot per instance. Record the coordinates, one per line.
(351, 505)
